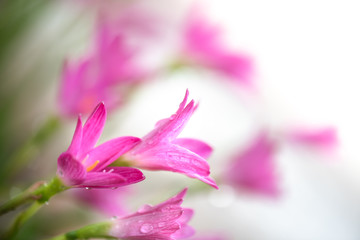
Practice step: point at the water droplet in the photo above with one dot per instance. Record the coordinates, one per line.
(111, 170)
(87, 188)
(46, 203)
(114, 217)
(146, 228)
(104, 171)
(161, 224)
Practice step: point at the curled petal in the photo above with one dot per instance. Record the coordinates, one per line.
(93, 128)
(199, 147)
(70, 169)
(109, 151)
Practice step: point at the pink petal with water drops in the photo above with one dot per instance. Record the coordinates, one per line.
(152, 222)
(185, 231)
(160, 150)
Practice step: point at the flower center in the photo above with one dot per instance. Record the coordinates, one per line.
(89, 168)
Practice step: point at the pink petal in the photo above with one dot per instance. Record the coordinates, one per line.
(70, 169)
(173, 158)
(325, 138)
(185, 231)
(109, 151)
(103, 180)
(168, 129)
(131, 175)
(254, 168)
(76, 140)
(157, 222)
(93, 128)
(199, 147)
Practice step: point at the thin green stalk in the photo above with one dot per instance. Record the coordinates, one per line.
(40, 192)
(98, 230)
(21, 219)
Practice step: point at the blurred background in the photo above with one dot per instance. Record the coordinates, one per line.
(304, 72)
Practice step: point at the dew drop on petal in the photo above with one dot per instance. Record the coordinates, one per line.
(114, 217)
(146, 228)
(87, 188)
(161, 224)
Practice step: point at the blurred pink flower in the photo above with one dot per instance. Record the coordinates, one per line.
(203, 46)
(317, 138)
(110, 202)
(161, 150)
(104, 75)
(84, 165)
(165, 221)
(253, 170)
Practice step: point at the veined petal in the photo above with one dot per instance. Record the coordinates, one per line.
(171, 157)
(109, 151)
(199, 147)
(70, 169)
(77, 138)
(103, 180)
(93, 128)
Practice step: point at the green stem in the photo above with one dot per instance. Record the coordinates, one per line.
(21, 219)
(98, 230)
(40, 192)
(30, 148)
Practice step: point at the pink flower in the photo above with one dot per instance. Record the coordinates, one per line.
(253, 169)
(104, 75)
(321, 138)
(84, 165)
(161, 150)
(203, 46)
(165, 221)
